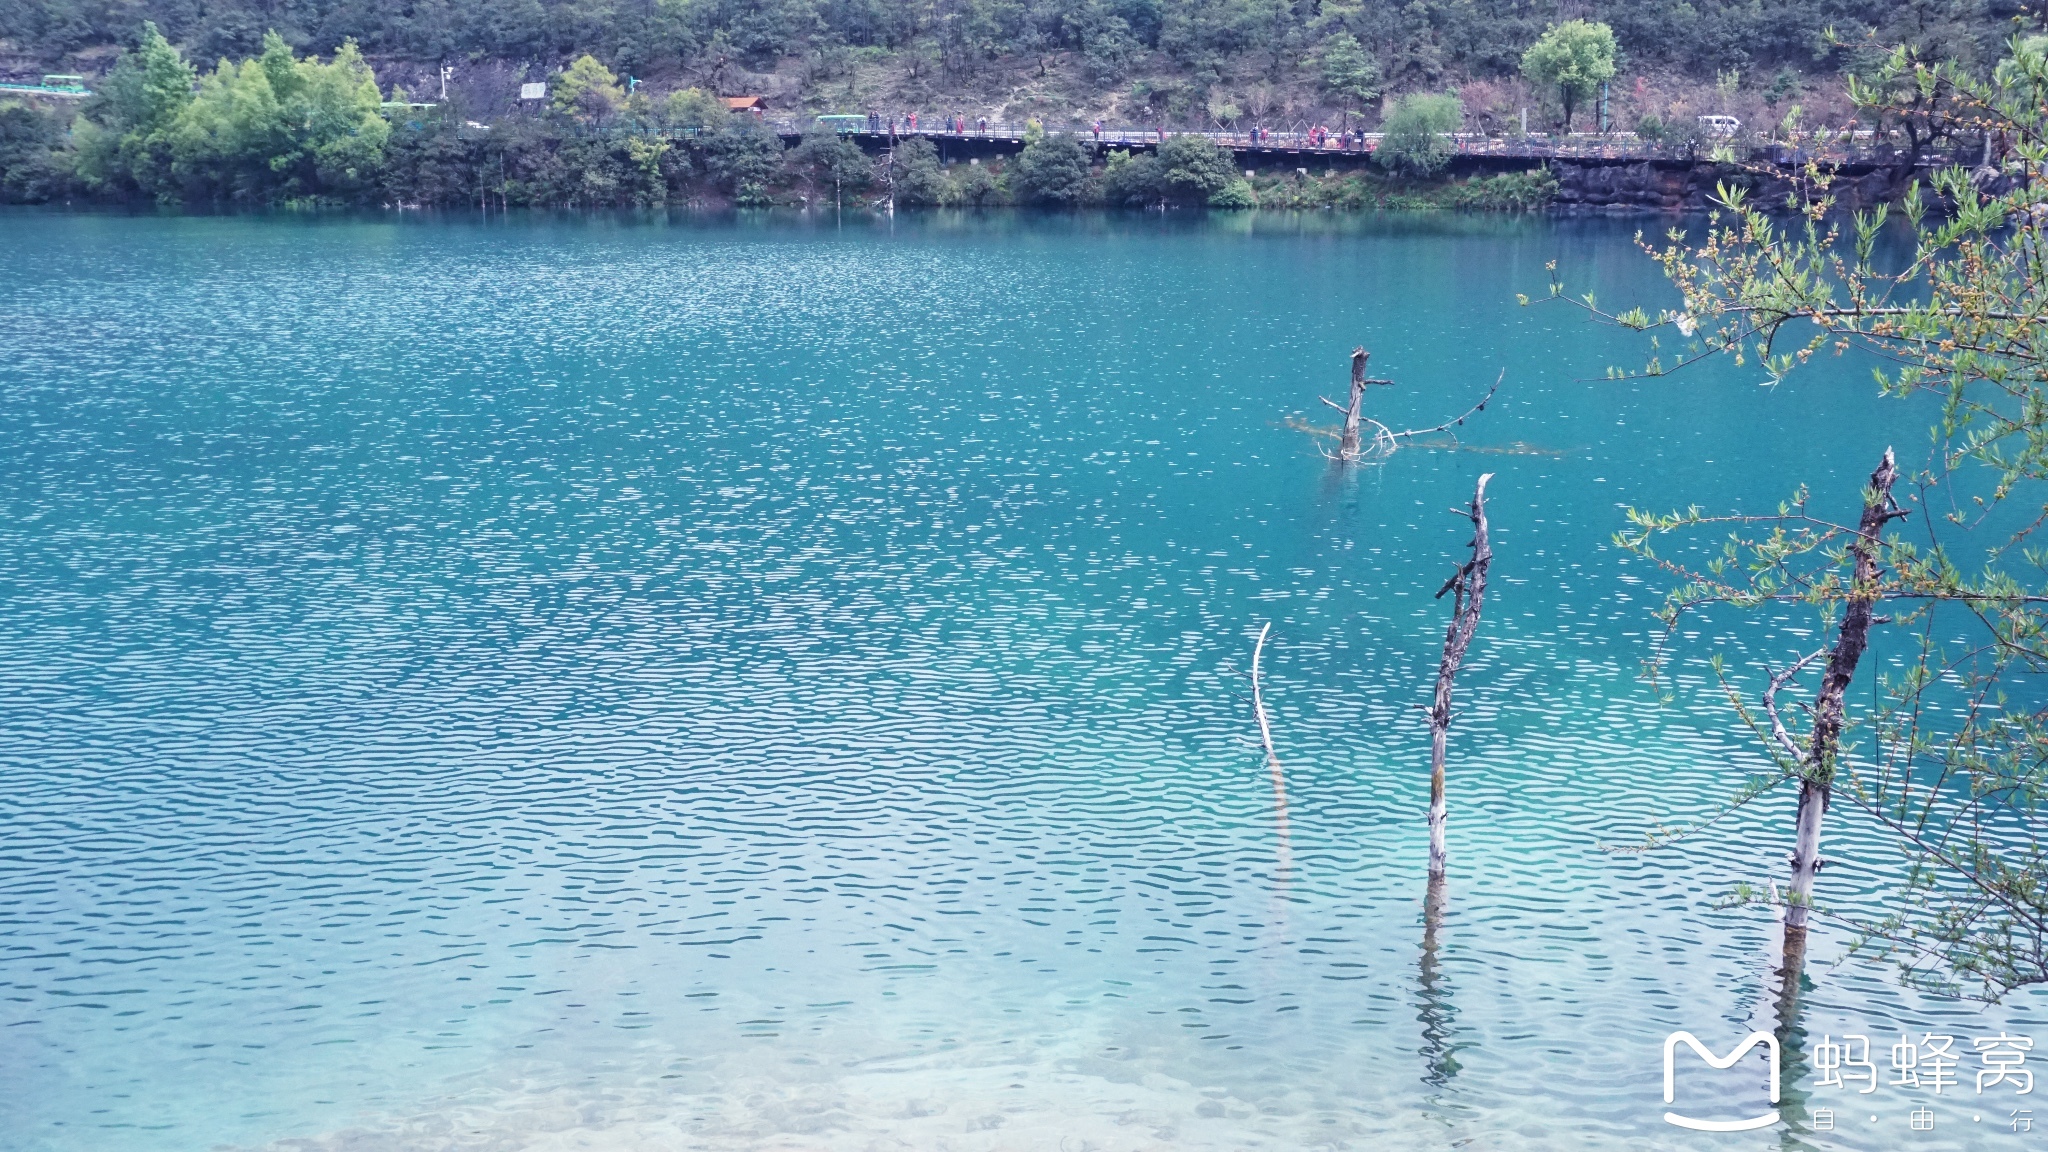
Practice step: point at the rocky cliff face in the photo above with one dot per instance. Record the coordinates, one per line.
(1681, 186)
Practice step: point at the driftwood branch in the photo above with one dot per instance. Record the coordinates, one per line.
(1469, 585)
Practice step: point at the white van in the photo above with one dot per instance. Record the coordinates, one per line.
(1719, 125)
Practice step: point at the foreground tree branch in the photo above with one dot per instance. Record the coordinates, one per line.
(1958, 777)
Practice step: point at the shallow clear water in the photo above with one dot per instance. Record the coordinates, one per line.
(631, 684)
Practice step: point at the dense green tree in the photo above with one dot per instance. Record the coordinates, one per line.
(1348, 73)
(277, 126)
(31, 167)
(1192, 169)
(918, 178)
(1053, 170)
(147, 87)
(531, 162)
(970, 186)
(1574, 57)
(829, 160)
(1239, 193)
(271, 127)
(743, 156)
(691, 109)
(1414, 138)
(1108, 46)
(1133, 180)
(439, 165)
(588, 90)
(123, 139)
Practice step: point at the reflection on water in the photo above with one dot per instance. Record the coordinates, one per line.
(622, 684)
(1438, 1012)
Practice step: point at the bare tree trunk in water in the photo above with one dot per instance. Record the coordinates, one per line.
(1850, 641)
(1348, 448)
(1469, 584)
(1286, 854)
(1789, 966)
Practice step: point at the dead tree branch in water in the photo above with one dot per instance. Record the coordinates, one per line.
(1818, 767)
(1447, 425)
(1351, 446)
(1258, 697)
(1469, 585)
(1813, 758)
(1272, 760)
(1438, 1014)
(1347, 446)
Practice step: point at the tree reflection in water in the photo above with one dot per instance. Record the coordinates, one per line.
(1437, 1014)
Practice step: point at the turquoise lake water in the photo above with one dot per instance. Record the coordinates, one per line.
(630, 684)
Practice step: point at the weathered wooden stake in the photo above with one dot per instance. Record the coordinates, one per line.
(1818, 776)
(1469, 585)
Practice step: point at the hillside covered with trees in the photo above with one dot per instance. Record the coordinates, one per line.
(1418, 42)
(267, 101)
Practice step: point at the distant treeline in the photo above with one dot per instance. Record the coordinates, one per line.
(1415, 42)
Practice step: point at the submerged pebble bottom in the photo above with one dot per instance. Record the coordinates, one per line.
(626, 686)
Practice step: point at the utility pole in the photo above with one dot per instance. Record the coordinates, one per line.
(447, 70)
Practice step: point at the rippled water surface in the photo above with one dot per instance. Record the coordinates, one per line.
(783, 685)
